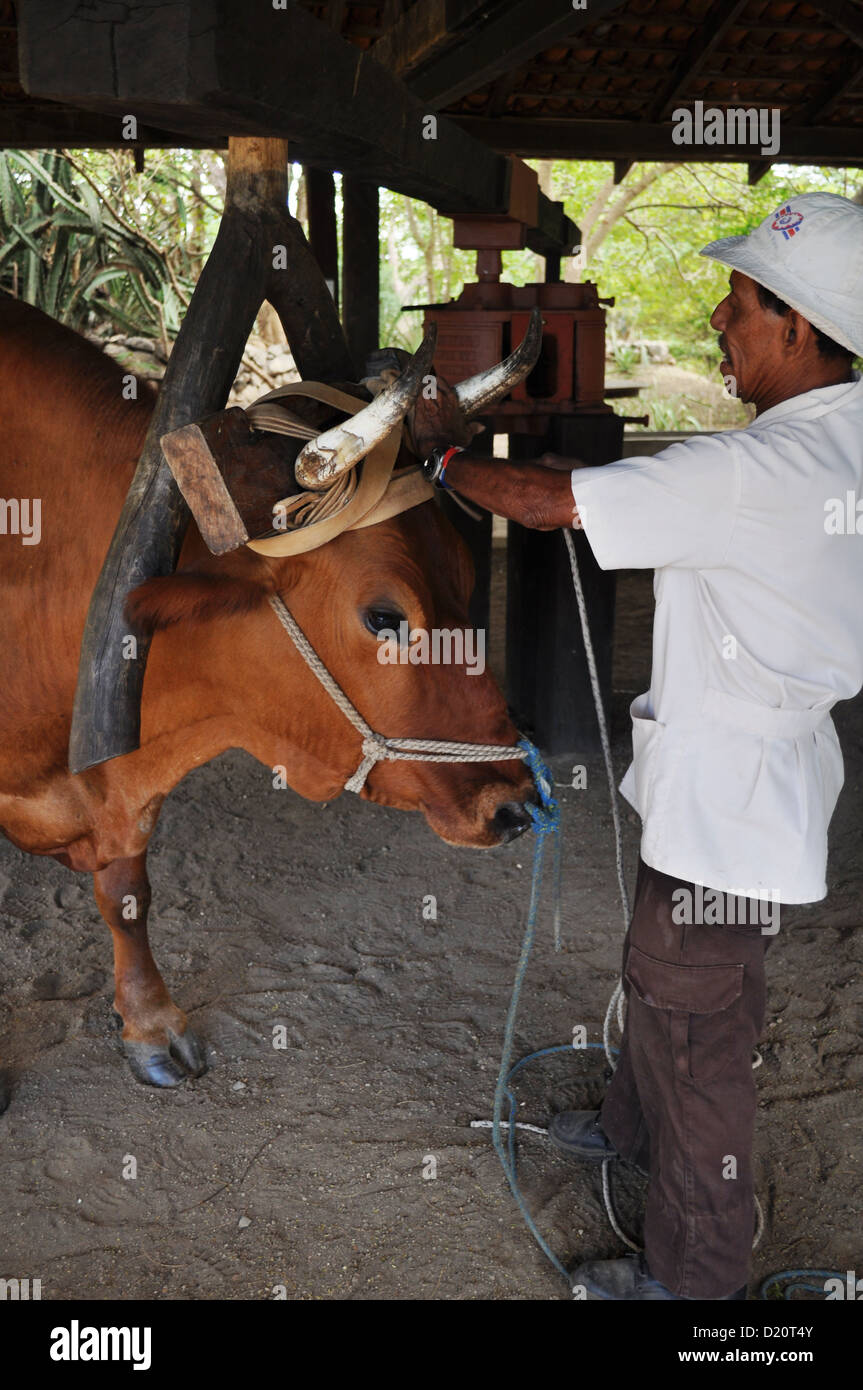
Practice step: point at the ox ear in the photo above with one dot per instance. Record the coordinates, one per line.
(194, 597)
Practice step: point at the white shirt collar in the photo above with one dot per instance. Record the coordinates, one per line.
(810, 403)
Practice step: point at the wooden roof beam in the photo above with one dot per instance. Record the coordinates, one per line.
(43, 126)
(421, 32)
(220, 78)
(526, 84)
(510, 36)
(638, 93)
(706, 38)
(538, 138)
(662, 18)
(336, 14)
(257, 78)
(756, 169)
(217, 78)
(843, 86)
(844, 16)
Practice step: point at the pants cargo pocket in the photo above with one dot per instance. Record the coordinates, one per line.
(695, 1002)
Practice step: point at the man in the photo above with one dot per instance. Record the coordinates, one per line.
(736, 764)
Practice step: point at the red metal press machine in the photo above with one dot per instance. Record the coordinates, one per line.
(560, 408)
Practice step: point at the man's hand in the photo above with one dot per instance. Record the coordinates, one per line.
(537, 494)
(440, 421)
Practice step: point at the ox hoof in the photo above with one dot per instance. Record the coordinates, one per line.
(155, 1065)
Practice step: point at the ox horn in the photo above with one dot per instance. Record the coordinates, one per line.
(335, 451)
(478, 392)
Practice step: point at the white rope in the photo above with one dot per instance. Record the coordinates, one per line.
(616, 1002)
(609, 1208)
(376, 747)
(505, 1124)
(759, 1216)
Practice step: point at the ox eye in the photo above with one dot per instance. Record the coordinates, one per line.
(379, 619)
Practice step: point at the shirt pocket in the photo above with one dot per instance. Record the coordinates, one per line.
(694, 1006)
(646, 736)
(830, 768)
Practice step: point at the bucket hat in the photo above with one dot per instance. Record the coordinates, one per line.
(809, 252)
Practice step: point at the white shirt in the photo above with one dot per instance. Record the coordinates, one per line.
(758, 632)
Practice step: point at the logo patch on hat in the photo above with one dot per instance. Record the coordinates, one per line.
(786, 221)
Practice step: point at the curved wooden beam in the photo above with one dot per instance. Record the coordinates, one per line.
(149, 534)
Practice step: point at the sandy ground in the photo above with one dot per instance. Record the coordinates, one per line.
(304, 1167)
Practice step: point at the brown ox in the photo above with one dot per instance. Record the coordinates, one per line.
(222, 674)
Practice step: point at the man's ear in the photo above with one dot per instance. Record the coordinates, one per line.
(195, 597)
(798, 333)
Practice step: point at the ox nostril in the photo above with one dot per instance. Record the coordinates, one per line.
(510, 820)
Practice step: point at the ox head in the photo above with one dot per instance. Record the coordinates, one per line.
(386, 609)
(333, 452)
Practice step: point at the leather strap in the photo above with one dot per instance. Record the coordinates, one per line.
(406, 489)
(377, 496)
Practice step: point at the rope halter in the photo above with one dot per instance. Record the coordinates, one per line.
(377, 747)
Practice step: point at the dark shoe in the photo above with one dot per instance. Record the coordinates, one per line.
(628, 1280)
(578, 1132)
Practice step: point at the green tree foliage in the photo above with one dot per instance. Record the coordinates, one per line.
(641, 241)
(419, 265)
(98, 245)
(643, 238)
(92, 243)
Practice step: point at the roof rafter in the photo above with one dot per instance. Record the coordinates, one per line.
(842, 86)
(707, 37)
(538, 137)
(844, 15)
(509, 37)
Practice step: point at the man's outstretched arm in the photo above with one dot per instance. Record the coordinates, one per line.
(537, 495)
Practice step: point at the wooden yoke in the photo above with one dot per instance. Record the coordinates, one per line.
(219, 463)
(238, 276)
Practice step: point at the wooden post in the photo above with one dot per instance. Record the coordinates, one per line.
(361, 273)
(477, 537)
(201, 370)
(323, 231)
(548, 684)
(299, 294)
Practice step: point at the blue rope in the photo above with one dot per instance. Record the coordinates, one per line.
(797, 1280)
(546, 822)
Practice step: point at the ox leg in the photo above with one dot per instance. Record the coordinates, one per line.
(162, 1050)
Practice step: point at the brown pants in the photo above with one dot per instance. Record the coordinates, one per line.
(682, 1100)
